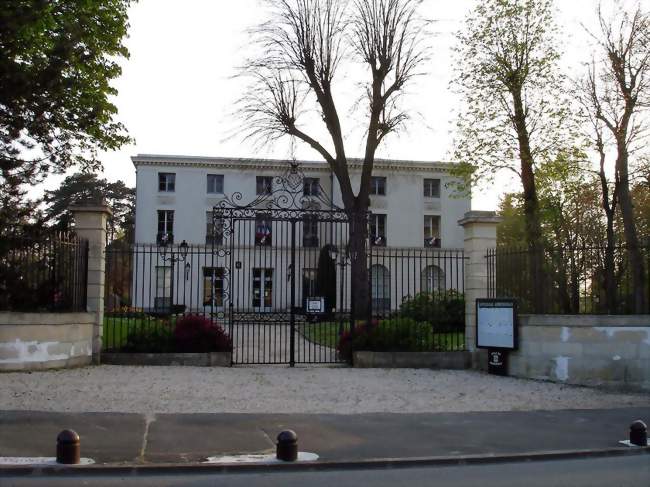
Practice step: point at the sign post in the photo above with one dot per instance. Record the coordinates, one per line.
(314, 307)
(496, 330)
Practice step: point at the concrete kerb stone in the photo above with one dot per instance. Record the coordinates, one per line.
(379, 463)
(212, 359)
(435, 360)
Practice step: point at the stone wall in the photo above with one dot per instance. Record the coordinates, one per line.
(594, 350)
(37, 341)
(413, 360)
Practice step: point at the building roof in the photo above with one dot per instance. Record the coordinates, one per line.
(258, 163)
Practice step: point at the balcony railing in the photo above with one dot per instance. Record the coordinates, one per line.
(432, 242)
(164, 238)
(378, 241)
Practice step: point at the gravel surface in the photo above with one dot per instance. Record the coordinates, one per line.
(284, 390)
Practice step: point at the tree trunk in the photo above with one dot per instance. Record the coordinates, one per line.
(533, 228)
(637, 266)
(609, 284)
(610, 280)
(361, 305)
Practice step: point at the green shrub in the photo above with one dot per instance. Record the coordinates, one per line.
(190, 334)
(444, 310)
(391, 335)
(155, 337)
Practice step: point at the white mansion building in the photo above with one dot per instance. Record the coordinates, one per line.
(412, 206)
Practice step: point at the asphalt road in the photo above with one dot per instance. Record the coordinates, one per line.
(186, 438)
(631, 470)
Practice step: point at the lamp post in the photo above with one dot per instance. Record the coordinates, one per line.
(163, 247)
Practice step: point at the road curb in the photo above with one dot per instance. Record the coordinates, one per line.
(377, 463)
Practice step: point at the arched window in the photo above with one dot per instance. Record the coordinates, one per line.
(432, 279)
(380, 287)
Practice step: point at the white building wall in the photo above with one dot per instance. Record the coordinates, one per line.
(404, 204)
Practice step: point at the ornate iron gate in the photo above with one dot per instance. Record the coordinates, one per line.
(276, 274)
(281, 294)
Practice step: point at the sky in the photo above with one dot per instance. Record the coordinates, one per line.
(177, 92)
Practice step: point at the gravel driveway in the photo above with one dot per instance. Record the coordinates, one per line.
(285, 390)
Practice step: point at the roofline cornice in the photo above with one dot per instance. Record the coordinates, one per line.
(261, 164)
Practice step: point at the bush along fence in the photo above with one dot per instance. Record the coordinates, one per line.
(417, 303)
(45, 274)
(562, 280)
(190, 339)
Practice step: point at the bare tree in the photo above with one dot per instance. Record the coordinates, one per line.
(617, 93)
(303, 46)
(587, 95)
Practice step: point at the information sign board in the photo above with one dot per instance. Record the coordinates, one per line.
(315, 305)
(496, 324)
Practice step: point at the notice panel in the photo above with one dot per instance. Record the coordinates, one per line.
(496, 325)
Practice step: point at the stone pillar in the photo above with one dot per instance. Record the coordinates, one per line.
(480, 235)
(90, 224)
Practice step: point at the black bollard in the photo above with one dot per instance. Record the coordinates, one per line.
(639, 433)
(287, 446)
(68, 449)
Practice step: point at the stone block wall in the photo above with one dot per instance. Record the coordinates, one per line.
(37, 341)
(594, 350)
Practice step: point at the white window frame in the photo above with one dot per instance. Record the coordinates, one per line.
(266, 182)
(220, 182)
(212, 275)
(168, 225)
(168, 182)
(209, 229)
(428, 227)
(375, 219)
(163, 298)
(311, 186)
(378, 183)
(429, 185)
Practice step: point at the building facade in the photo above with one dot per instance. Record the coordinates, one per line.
(414, 215)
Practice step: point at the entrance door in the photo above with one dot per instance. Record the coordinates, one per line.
(263, 289)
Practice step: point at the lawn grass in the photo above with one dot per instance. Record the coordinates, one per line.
(117, 329)
(326, 333)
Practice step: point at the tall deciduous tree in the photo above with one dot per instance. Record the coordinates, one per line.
(572, 226)
(512, 117)
(58, 59)
(616, 93)
(302, 48)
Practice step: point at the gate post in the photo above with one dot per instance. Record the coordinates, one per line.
(480, 235)
(90, 223)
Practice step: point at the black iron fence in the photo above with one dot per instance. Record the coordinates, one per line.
(47, 274)
(417, 297)
(561, 280)
(417, 300)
